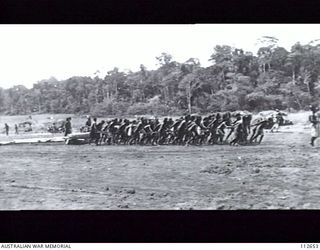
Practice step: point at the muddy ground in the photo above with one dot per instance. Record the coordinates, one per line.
(281, 173)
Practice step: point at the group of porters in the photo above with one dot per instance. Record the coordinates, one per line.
(218, 128)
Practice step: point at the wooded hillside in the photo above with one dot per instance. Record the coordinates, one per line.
(236, 80)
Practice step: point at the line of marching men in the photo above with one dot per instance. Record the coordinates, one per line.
(218, 128)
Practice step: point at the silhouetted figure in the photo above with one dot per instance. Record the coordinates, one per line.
(67, 126)
(93, 131)
(16, 129)
(6, 126)
(89, 122)
(87, 127)
(315, 121)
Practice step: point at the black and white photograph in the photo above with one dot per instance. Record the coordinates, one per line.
(160, 117)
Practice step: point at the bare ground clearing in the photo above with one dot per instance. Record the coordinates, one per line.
(281, 173)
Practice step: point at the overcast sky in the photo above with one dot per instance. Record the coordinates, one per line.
(29, 53)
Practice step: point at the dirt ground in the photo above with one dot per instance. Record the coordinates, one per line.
(281, 173)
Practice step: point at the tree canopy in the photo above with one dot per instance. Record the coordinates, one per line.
(236, 80)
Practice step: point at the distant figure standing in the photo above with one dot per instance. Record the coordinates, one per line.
(67, 126)
(88, 123)
(6, 126)
(16, 129)
(314, 119)
(93, 130)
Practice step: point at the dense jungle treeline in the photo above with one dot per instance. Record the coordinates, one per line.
(236, 80)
